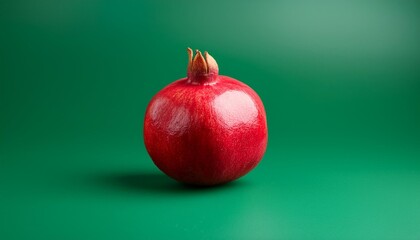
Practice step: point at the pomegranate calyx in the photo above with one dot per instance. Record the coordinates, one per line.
(199, 65)
(201, 68)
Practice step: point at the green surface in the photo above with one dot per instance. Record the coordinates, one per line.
(340, 82)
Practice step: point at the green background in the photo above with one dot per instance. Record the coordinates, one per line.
(340, 81)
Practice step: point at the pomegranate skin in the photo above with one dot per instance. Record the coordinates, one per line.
(206, 134)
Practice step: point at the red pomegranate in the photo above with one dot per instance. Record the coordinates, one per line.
(205, 129)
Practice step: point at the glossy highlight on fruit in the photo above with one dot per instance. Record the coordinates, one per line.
(205, 129)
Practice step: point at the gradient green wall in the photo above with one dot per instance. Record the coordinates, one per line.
(340, 81)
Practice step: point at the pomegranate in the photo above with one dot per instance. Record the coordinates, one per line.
(205, 129)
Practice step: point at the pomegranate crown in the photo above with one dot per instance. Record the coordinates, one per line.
(199, 66)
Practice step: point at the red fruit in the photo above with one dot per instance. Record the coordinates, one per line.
(205, 129)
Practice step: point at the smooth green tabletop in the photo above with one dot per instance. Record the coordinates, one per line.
(340, 81)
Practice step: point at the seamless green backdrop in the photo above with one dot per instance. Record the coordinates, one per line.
(340, 81)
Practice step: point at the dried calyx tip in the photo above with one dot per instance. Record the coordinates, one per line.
(190, 54)
(199, 65)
